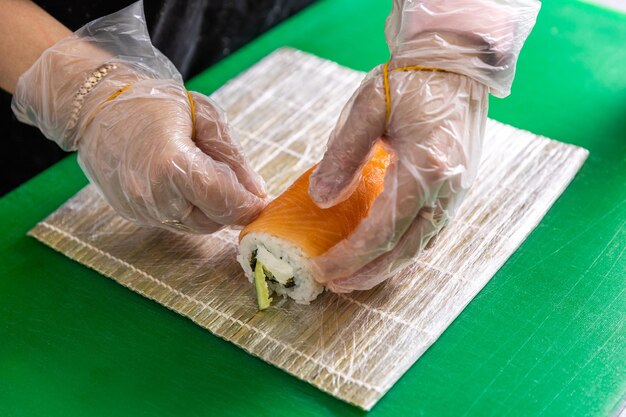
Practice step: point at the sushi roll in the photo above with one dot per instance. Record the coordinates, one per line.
(276, 249)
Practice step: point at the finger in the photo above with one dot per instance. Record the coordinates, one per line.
(145, 194)
(214, 138)
(361, 123)
(198, 222)
(153, 198)
(213, 187)
(163, 201)
(390, 216)
(151, 190)
(411, 183)
(416, 239)
(109, 190)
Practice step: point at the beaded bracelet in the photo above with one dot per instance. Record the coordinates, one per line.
(79, 98)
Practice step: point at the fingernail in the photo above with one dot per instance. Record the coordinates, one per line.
(262, 185)
(317, 271)
(320, 192)
(256, 185)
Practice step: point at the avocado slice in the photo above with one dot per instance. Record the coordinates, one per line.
(262, 291)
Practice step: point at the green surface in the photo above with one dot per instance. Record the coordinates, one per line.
(545, 337)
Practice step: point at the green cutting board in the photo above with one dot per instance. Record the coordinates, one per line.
(545, 337)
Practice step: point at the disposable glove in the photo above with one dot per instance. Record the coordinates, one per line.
(159, 155)
(428, 106)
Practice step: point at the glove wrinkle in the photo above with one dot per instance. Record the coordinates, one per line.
(159, 155)
(429, 107)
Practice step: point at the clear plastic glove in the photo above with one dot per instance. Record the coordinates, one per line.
(158, 155)
(434, 127)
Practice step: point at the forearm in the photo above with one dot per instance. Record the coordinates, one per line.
(26, 31)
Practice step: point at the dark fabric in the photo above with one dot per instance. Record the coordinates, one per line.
(194, 34)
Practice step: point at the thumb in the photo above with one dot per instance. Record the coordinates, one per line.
(214, 138)
(361, 123)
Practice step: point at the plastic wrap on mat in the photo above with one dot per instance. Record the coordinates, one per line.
(353, 346)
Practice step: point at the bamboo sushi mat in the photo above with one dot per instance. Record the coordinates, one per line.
(353, 346)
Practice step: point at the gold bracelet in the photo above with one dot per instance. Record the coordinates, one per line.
(79, 98)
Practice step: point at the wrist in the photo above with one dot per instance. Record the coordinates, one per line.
(61, 88)
(45, 94)
(91, 93)
(477, 38)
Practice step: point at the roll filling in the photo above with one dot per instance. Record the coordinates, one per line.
(276, 249)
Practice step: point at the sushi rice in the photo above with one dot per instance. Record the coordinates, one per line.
(289, 266)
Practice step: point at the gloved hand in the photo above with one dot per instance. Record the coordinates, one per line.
(428, 106)
(159, 155)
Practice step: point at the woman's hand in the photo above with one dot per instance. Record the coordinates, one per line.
(155, 167)
(434, 132)
(159, 155)
(430, 109)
